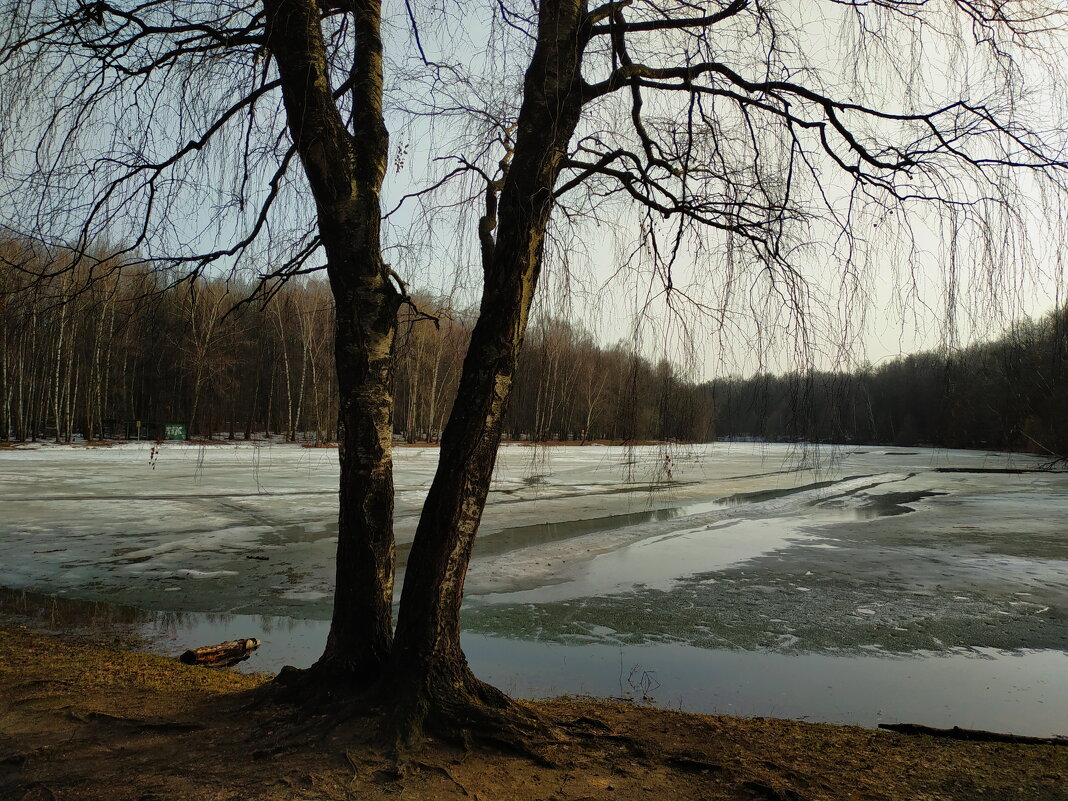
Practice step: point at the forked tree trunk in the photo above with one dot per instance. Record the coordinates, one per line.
(361, 629)
(345, 173)
(427, 671)
(433, 682)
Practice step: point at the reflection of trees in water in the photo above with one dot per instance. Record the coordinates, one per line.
(266, 623)
(79, 613)
(182, 620)
(70, 612)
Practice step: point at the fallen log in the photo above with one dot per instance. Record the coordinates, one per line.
(975, 735)
(223, 654)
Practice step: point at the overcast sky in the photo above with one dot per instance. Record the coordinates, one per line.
(914, 280)
(907, 278)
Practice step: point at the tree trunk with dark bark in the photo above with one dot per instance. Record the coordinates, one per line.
(345, 172)
(434, 686)
(426, 677)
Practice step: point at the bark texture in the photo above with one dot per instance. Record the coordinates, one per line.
(429, 668)
(345, 172)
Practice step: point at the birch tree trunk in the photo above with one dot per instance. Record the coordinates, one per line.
(57, 407)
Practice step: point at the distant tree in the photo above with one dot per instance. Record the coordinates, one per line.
(734, 132)
(1006, 393)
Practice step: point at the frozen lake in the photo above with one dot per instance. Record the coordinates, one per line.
(847, 584)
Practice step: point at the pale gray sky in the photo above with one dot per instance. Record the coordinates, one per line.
(911, 280)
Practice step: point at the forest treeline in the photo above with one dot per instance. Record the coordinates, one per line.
(91, 352)
(88, 352)
(1010, 393)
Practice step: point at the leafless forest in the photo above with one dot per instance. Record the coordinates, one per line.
(90, 355)
(1010, 393)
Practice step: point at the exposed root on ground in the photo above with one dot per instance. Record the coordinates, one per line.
(401, 709)
(323, 704)
(461, 709)
(330, 692)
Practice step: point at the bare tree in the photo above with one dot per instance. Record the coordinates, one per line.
(158, 122)
(202, 305)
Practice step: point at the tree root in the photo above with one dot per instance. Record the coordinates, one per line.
(324, 684)
(306, 708)
(399, 712)
(466, 711)
(448, 774)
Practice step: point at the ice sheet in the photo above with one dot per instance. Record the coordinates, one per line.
(831, 583)
(252, 528)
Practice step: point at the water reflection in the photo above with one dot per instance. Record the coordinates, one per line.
(513, 538)
(975, 688)
(63, 614)
(510, 539)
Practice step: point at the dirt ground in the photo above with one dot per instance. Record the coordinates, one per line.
(88, 719)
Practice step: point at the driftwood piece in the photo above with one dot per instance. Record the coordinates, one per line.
(223, 654)
(976, 735)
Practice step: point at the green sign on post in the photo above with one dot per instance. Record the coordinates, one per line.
(174, 430)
